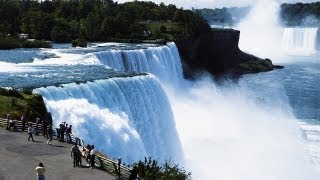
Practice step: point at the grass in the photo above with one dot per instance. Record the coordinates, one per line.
(16, 103)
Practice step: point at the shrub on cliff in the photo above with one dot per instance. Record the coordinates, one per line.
(36, 44)
(151, 169)
(12, 42)
(80, 42)
(9, 43)
(16, 103)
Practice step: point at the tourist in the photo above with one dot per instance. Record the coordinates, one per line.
(40, 172)
(92, 156)
(62, 130)
(58, 133)
(23, 120)
(65, 131)
(50, 134)
(69, 132)
(76, 154)
(30, 131)
(87, 153)
(11, 124)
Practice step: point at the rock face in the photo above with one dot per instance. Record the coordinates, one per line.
(218, 53)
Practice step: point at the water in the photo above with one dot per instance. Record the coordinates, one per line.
(126, 111)
(264, 127)
(300, 40)
(131, 117)
(299, 81)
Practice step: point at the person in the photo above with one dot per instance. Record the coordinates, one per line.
(92, 156)
(40, 172)
(69, 132)
(58, 133)
(76, 154)
(50, 134)
(23, 120)
(30, 131)
(62, 130)
(11, 124)
(87, 153)
(14, 126)
(8, 122)
(65, 131)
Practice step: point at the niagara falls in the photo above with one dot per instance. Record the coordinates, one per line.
(174, 90)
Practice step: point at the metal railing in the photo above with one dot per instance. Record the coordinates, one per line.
(104, 163)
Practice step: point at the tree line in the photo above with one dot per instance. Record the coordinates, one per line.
(94, 20)
(228, 16)
(300, 14)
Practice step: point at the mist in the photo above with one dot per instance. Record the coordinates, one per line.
(260, 32)
(229, 132)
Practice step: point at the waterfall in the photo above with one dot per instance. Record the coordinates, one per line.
(300, 39)
(127, 117)
(162, 61)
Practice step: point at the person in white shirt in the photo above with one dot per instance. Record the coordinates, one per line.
(40, 172)
(30, 131)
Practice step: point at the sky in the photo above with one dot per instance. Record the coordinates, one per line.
(214, 3)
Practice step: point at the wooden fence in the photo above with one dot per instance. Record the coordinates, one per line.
(104, 163)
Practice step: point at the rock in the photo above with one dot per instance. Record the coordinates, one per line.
(218, 53)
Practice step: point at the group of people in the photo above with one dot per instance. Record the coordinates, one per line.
(11, 124)
(47, 131)
(62, 130)
(89, 153)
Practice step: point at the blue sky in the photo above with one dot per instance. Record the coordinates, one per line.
(214, 3)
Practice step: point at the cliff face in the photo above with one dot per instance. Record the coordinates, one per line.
(218, 53)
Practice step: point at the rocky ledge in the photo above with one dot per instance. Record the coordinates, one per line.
(253, 66)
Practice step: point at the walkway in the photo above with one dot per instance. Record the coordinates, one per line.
(19, 157)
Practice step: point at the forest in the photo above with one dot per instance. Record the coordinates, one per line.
(225, 16)
(300, 14)
(98, 20)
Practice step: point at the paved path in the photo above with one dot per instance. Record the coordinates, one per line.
(19, 157)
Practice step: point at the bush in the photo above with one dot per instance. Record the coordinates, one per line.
(163, 29)
(10, 93)
(79, 42)
(36, 44)
(151, 169)
(9, 43)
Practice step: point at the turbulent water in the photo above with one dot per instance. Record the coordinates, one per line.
(128, 117)
(132, 101)
(164, 62)
(300, 40)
